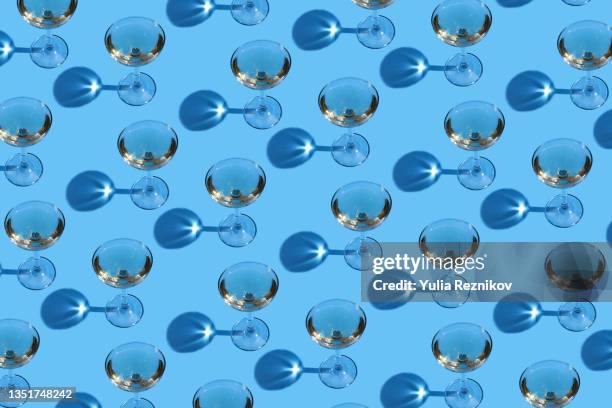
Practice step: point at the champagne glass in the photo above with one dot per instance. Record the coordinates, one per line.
(475, 126)
(348, 103)
(24, 122)
(336, 324)
(261, 65)
(462, 23)
(236, 183)
(122, 264)
(135, 367)
(562, 163)
(449, 238)
(576, 2)
(375, 31)
(223, 393)
(135, 41)
(587, 45)
(148, 145)
(19, 342)
(48, 51)
(361, 206)
(462, 348)
(35, 226)
(248, 287)
(549, 384)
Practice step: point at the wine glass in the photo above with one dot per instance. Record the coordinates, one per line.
(148, 145)
(549, 383)
(135, 367)
(223, 393)
(34, 226)
(587, 45)
(236, 183)
(562, 163)
(248, 287)
(475, 126)
(135, 41)
(48, 51)
(250, 12)
(19, 342)
(336, 324)
(123, 263)
(449, 238)
(361, 206)
(462, 23)
(348, 103)
(375, 31)
(261, 65)
(462, 348)
(24, 122)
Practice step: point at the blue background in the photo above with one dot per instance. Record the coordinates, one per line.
(295, 199)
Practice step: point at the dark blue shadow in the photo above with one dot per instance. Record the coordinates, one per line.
(189, 332)
(597, 351)
(203, 110)
(278, 369)
(416, 171)
(388, 299)
(504, 208)
(64, 308)
(403, 67)
(609, 234)
(517, 312)
(89, 191)
(316, 29)
(603, 130)
(529, 91)
(187, 13)
(303, 251)
(513, 3)
(177, 228)
(80, 400)
(405, 390)
(291, 147)
(76, 87)
(7, 48)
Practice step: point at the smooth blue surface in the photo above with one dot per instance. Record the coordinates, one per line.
(296, 199)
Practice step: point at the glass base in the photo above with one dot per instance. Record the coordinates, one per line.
(23, 169)
(250, 12)
(36, 273)
(576, 2)
(137, 403)
(250, 334)
(476, 173)
(137, 89)
(237, 230)
(263, 112)
(12, 382)
(350, 149)
(376, 32)
(463, 393)
(589, 93)
(451, 299)
(149, 193)
(463, 69)
(49, 51)
(577, 316)
(124, 311)
(359, 254)
(338, 372)
(564, 211)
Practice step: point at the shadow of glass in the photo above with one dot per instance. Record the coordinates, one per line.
(316, 29)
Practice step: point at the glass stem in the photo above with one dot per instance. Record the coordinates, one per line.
(476, 161)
